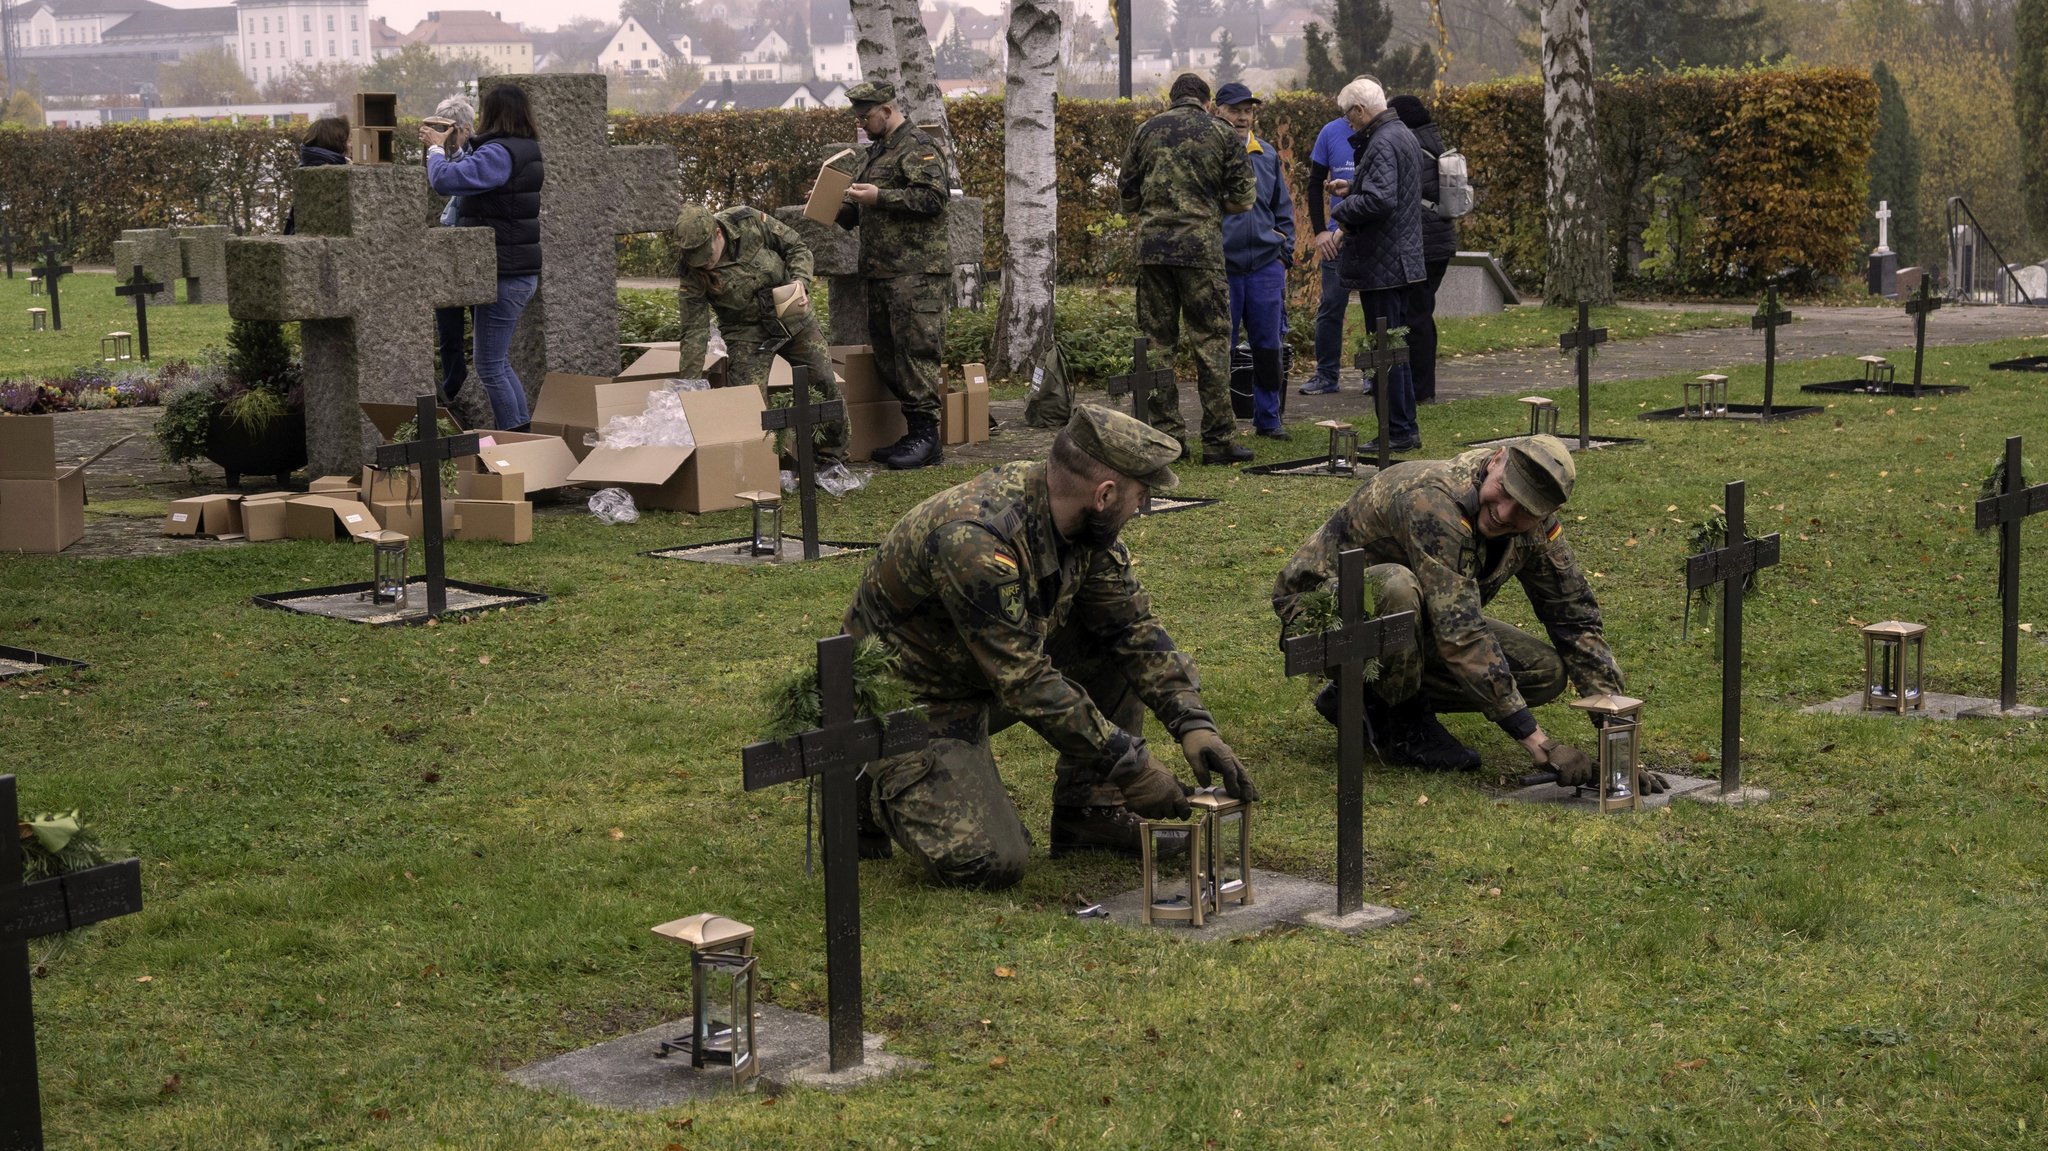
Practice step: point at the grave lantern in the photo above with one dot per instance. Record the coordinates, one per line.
(387, 567)
(1712, 392)
(1227, 835)
(1171, 857)
(722, 970)
(1618, 781)
(1877, 373)
(767, 534)
(1343, 444)
(1542, 415)
(1888, 647)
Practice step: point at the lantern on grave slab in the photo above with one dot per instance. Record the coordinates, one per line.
(767, 532)
(1227, 840)
(1172, 857)
(1894, 656)
(1618, 779)
(722, 974)
(1343, 444)
(1878, 373)
(388, 557)
(1542, 415)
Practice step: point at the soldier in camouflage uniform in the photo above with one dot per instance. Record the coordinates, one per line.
(1186, 170)
(1443, 537)
(1007, 599)
(898, 201)
(732, 261)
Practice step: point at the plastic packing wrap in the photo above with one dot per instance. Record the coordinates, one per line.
(836, 480)
(614, 506)
(662, 425)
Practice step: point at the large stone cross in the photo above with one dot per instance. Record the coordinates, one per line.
(1730, 565)
(363, 276)
(2006, 509)
(593, 194)
(1884, 223)
(156, 250)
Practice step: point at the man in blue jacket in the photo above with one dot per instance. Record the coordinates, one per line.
(1329, 160)
(1258, 248)
(1379, 223)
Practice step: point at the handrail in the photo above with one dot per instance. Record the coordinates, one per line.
(1960, 290)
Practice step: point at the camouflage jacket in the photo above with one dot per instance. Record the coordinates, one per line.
(904, 233)
(1185, 171)
(1420, 514)
(973, 584)
(760, 252)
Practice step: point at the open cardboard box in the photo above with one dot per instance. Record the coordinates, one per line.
(874, 417)
(213, 517)
(573, 407)
(506, 521)
(325, 517)
(408, 517)
(42, 506)
(542, 461)
(263, 515)
(732, 455)
(388, 418)
(665, 362)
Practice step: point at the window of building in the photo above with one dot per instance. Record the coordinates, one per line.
(330, 23)
(252, 25)
(309, 48)
(266, 25)
(352, 24)
(266, 54)
(355, 47)
(305, 23)
(330, 48)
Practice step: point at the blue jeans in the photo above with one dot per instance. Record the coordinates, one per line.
(1330, 324)
(1258, 305)
(1392, 303)
(449, 325)
(494, 325)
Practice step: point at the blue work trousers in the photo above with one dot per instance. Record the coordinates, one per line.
(1258, 306)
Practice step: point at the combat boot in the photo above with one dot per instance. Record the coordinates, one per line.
(1426, 743)
(1114, 829)
(919, 448)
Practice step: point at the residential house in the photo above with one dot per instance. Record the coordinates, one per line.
(455, 33)
(729, 95)
(274, 36)
(384, 40)
(839, 62)
(634, 51)
(767, 61)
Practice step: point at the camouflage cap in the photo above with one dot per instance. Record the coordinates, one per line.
(1125, 445)
(1539, 473)
(871, 92)
(693, 231)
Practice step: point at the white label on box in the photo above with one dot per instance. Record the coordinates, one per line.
(504, 463)
(352, 519)
(177, 517)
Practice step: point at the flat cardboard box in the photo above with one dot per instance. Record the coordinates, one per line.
(321, 517)
(390, 485)
(542, 461)
(573, 407)
(506, 521)
(214, 517)
(263, 515)
(28, 447)
(332, 484)
(829, 193)
(42, 507)
(388, 418)
(871, 426)
(732, 455)
(860, 382)
(407, 517)
(665, 362)
(491, 486)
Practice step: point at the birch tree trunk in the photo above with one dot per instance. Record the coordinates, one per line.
(1024, 327)
(874, 32)
(1579, 267)
(917, 79)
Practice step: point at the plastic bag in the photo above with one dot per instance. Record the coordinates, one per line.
(662, 425)
(614, 506)
(836, 480)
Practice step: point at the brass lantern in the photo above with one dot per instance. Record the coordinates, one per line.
(1878, 373)
(1618, 782)
(1227, 838)
(387, 567)
(1542, 415)
(1171, 854)
(1343, 445)
(767, 538)
(1889, 684)
(722, 973)
(1712, 391)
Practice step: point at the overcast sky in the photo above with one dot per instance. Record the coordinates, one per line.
(403, 15)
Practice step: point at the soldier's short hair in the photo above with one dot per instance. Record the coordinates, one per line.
(1364, 92)
(1188, 84)
(1068, 457)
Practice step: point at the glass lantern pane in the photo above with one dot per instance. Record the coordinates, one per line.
(1228, 869)
(1881, 668)
(727, 986)
(1618, 758)
(1172, 863)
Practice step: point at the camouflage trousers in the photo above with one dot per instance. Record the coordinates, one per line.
(1538, 669)
(749, 365)
(1169, 296)
(907, 331)
(946, 805)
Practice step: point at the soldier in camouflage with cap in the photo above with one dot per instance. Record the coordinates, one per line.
(1443, 537)
(898, 201)
(1007, 599)
(734, 264)
(1185, 171)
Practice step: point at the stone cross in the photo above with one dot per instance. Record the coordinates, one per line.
(51, 271)
(1770, 320)
(363, 274)
(142, 288)
(156, 249)
(1884, 223)
(1141, 382)
(2007, 509)
(1378, 364)
(1730, 566)
(1583, 339)
(203, 261)
(1918, 307)
(801, 417)
(1342, 651)
(593, 194)
(428, 448)
(838, 750)
(30, 911)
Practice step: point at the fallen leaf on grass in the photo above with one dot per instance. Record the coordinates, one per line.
(380, 1113)
(1006, 973)
(1506, 1119)
(1690, 1065)
(171, 1085)
(682, 1124)
(1422, 801)
(616, 833)
(999, 1062)
(1700, 757)
(483, 659)
(145, 978)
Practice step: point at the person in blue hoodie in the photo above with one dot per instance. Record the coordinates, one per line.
(1258, 248)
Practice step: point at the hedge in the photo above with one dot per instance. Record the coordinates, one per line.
(1715, 179)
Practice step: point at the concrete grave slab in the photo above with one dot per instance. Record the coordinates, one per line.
(739, 552)
(351, 602)
(1280, 900)
(1568, 797)
(1741, 797)
(625, 1074)
(156, 249)
(1934, 705)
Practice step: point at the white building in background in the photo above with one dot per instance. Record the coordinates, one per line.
(838, 62)
(267, 37)
(275, 36)
(634, 51)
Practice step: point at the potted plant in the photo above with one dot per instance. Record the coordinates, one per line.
(246, 412)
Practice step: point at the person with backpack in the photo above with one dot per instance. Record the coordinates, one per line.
(1440, 207)
(1378, 225)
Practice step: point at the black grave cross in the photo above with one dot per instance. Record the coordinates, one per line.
(1769, 320)
(31, 911)
(2006, 509)
(140, 287)
(1583, 339)
(1730, 565)
(1342, 651)
(428, 448)
(839, 749)
(50, 271)
(7, 244)
(1377, 363)
(1922, 303)
(801, 417)
(1141, 381)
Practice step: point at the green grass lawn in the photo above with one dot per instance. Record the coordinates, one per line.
(1533, 326)
(383, 866)
(91, 310)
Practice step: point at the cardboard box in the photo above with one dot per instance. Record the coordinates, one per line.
(543, 462)
(215, 517)
(407, 517)
(871, 426)
(42, 506)
(829, 193)
(390, 485)
(388, 418)
(665, 362)
(321, 517)
(506, 521)
(732, 454)
(860, 382)
(28, 448)
(333, 484)
(976, 377)
(263, 515)
(573, 407)
(491, 486)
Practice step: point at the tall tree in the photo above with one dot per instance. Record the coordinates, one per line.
(1320, 71)
(2030, 109)
(209, 76)
(1229, 69)
(874, 40)
(1649, 34)
(1024, 314)
(1578, 267)
(917, 79)
(1356, 45)
(957, 60)
(421, 79)
(1895, 167)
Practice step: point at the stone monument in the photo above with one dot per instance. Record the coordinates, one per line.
(156, 249)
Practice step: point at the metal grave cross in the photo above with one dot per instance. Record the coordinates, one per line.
(1583, 339)
(801, 417)
(141, 287)
(51, 271)
(1770, 320)
(1922, 303)
(1343, 651)
(1141, 381)
(31, 911)
(2007, 509)
(1378, 363)
(839, 749)
(7, 244)
(428, 448)
(1730, 565)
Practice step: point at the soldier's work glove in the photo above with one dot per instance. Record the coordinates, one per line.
(1207, 753)
(1655, 784)
(1154, 792)
(1573, 767)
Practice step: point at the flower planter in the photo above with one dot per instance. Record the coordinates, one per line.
(278, 450)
